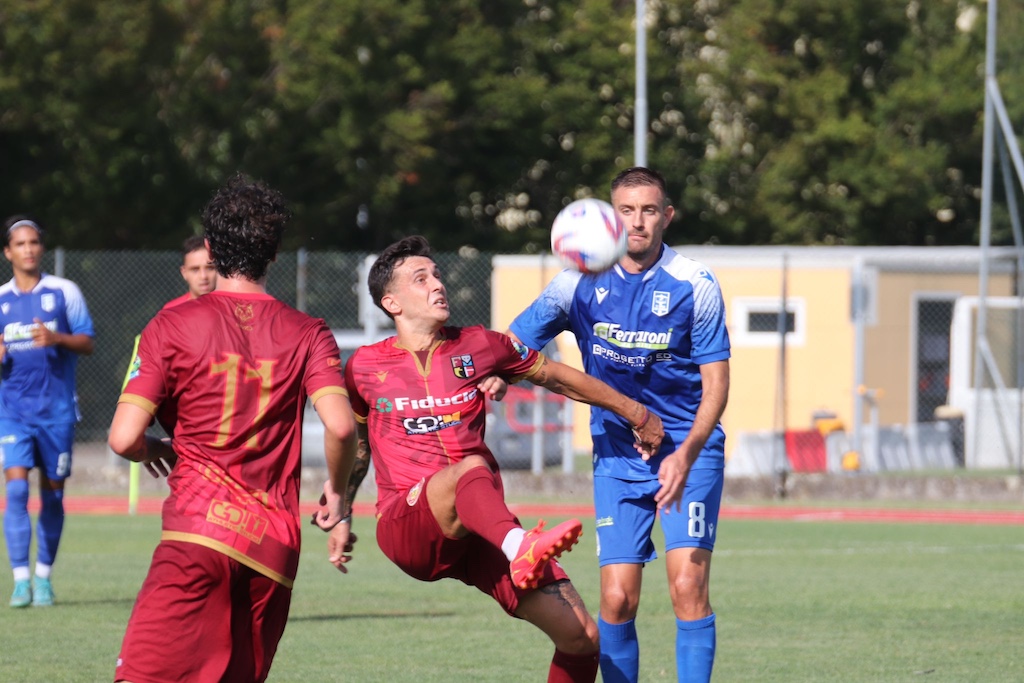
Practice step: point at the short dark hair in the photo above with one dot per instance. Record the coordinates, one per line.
(12, 224)
(244, 223)
(383, 269)
(639, 176)
(192, 243)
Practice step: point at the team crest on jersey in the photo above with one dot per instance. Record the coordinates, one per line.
(463, 366)
(660, 303)
(244, 316)
(48, 302)
(414, 493)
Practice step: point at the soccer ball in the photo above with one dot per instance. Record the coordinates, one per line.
(588, 236)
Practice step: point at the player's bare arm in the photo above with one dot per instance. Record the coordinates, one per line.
(341, 540)
(129, 440)
(81, 344)
(579, 386)
(340, 454)
(675, 468)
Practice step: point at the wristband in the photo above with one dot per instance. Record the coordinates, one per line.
(346, 520)
(647, 416)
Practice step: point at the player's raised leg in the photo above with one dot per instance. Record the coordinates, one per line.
(467, 498)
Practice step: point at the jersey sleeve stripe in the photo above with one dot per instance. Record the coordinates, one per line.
(325, 391)
(541, 358)
(139, 401)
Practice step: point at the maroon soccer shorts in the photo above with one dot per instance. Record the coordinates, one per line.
(411, 538)
(202, 616)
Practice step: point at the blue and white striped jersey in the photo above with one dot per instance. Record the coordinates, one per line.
(646, 335)
(38, 383)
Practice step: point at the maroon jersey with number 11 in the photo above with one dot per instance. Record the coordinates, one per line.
(228, 376)
(423, 411)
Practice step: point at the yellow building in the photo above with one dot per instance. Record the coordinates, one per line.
(891, 364)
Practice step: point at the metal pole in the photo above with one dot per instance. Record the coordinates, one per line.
(781, 418)
(988, 148)
(640, 106)
(858, 297)
(301, 266)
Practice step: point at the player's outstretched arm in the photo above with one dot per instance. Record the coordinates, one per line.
(128, 439)
(579, 386)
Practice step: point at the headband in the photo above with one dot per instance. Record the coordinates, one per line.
(24, 223)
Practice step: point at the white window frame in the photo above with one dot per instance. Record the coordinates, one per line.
(742, 307)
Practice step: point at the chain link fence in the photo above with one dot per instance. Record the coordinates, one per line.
(124, 290)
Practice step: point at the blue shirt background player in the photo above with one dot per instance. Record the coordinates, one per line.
(653, 327)
(45, 326)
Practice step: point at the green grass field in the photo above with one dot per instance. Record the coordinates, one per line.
(795, 602)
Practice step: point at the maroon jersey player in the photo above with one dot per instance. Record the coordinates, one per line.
(228, 374)
(441, 508)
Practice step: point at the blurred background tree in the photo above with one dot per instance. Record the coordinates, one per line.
(775, 121)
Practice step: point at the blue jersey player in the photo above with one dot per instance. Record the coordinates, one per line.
(45, 327)
(653, 327)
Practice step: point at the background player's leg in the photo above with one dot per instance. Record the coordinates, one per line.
(18, 533)
(49, 528)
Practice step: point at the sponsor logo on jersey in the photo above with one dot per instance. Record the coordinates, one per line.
(414, 493)
(243, 522)
(605, 521)
(601, 293)
(48, 302)
(632, 339)
(135, 368)
(428, 402)
(660, 303)
(381, 376)
(462, 366)
(18, 336)
(427, 424)
(383, 405)
(521, 349)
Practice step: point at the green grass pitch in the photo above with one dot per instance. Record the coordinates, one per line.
(796, 601)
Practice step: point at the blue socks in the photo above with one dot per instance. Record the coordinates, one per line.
(49, 526)
(620, 652)
(17, 525)
(695, 649)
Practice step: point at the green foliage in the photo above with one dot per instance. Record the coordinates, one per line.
(775, 121)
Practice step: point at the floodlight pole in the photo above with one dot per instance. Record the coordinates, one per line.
(640, 106)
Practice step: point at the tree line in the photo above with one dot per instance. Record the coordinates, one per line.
(774, 121)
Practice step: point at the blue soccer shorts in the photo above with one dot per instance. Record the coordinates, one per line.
(47, 447)
(625, 512)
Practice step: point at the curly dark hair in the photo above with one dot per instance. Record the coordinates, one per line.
(638, 176)
(243, 223)
(383, 269)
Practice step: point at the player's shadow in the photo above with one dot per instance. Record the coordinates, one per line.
(370, 615)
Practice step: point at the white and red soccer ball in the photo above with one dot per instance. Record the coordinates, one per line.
(588, 236)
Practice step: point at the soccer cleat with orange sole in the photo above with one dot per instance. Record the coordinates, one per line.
(540, 547)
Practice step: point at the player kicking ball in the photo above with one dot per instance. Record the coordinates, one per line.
(418, 398)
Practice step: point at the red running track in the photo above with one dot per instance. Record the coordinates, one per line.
(112, 505)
